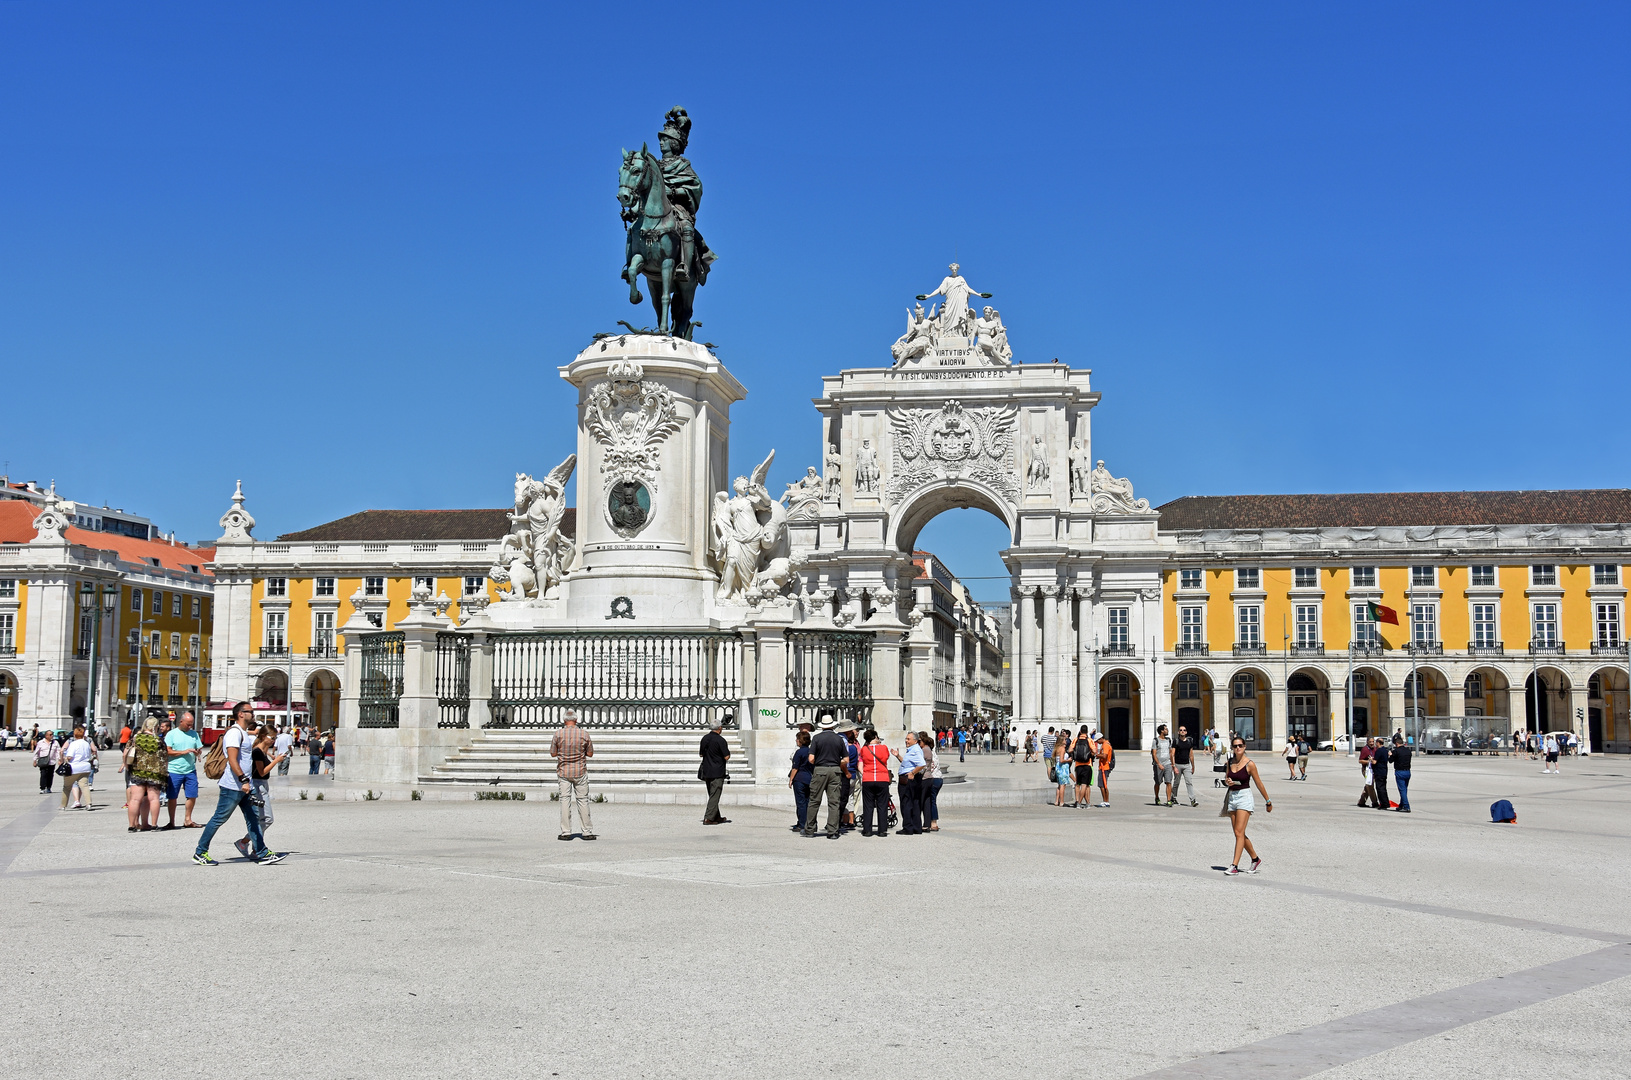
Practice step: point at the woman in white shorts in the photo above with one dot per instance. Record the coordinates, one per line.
(1238, 777)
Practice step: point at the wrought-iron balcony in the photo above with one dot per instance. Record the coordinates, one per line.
(269, 652)
(1120, 650)
(322, 652)
(1251, 648)
(1488, 648)
(1367, 648)
(1546, 648)
(8, 649)
(1312, 648)
(1425, 648)
(1608, 648)
(1192, 650)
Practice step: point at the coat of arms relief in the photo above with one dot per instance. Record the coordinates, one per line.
(630, 416)
(953, 443)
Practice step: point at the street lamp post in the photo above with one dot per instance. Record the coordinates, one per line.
(100, 598)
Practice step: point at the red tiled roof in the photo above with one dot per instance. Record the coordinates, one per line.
(17, 526)
(1591, 506)
(383, 525)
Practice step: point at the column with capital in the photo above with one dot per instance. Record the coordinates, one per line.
(957, 661)
(1087, 692)
(1050, 654)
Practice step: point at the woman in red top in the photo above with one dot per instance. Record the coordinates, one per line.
(874, 785)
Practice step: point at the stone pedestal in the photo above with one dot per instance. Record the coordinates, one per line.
(653, 450)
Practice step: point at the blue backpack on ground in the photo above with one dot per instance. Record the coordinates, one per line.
(1501, 810)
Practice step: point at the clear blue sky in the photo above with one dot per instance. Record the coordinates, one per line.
(338, 250)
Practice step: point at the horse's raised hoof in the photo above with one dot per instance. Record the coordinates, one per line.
(635, 298)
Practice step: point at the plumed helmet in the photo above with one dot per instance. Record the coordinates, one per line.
(677, 126)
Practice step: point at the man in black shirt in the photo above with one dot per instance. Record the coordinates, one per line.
(1401, 772)
(715, 752)
(1378, 769)
(1183, 762)
(830, 755)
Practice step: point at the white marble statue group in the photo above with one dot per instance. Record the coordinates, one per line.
(534, 554)
(748, 542)
(953, 319)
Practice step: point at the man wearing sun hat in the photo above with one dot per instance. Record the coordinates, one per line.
(830, 755)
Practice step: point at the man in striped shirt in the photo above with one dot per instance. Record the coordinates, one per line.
(572, 749)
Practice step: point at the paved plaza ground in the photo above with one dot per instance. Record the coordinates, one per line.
(454, 939)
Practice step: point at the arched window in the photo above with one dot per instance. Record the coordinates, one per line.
(1475, 686)
(1244, 686)
(1360, 686)
(1116, 686)
(1188, 686)
(1301, 683)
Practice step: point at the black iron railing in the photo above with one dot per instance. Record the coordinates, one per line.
(1546, 648)
(380, 689)
(1251, 648)
(453, 679)
(828, 670)
(1486, 648)
(1608, 648)
(615, 679)
(1192, 649)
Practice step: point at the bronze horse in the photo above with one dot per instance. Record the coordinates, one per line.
(653, 244)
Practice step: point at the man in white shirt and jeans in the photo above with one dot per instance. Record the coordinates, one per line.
(234, 782)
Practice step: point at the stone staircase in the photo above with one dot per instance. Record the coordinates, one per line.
(626, 758)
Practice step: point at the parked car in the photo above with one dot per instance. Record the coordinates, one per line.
(1339, 743)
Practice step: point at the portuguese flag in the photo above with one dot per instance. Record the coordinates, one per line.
(1381, 614)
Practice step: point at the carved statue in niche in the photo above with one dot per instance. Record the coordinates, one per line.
(835, 471)
(534, 555)
(1081, 470)
(1113, 495)
(1037, 472)
(866, 469)
(748, 530)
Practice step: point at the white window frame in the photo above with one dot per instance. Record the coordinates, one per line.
(277, 588)
(1472, 575)
(1605, 574)
(8, 588)
(478, 581)
(322, 630)
(1118, 621)
(1192, 625)
(175, 605)
(158, 602)
(8, 632)
(175, 646)
(1241, 581)
(1249, 631)
(192, 647)
(1543, 574)
(1536, 623)
(1365, 630)
(155, 645)
(198, 607)
(1305, 632)
(324, 586)
(1493, 623)
(136, 601)
(1428, 572)
(1185, 577)
(1609, 618)
(1362, 577)
(1418, 610)
(1234, 686)
(368, 588)
(274, 633)
(1300, 576)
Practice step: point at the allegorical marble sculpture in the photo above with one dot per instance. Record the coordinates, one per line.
(533, 556)
(866, 469)
(1081, 471)
(953, 335)
(749, 530)
(1112, 495)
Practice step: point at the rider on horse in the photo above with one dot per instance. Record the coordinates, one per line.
(684, 194)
